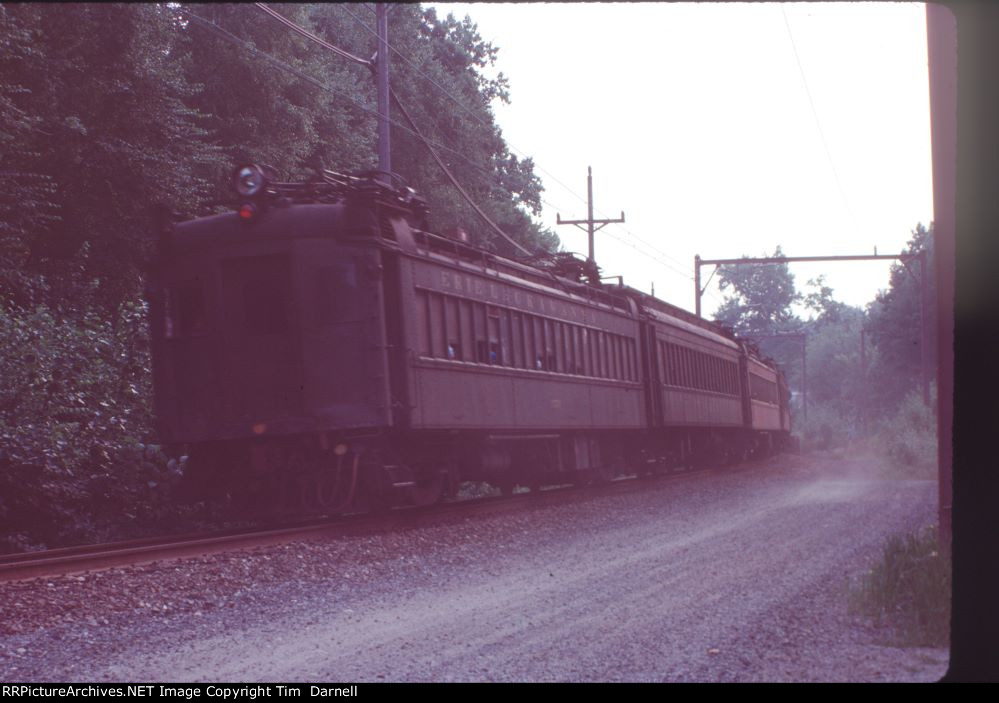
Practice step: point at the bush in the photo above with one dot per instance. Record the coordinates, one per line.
(825, 428)
(910, 438)
(909, 589)
(75, 420)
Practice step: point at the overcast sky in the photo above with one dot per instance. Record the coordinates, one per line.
(722, 130)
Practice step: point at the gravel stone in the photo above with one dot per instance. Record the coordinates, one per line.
(734, 576)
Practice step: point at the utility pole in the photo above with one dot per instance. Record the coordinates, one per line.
(589, 221)
(381, 78)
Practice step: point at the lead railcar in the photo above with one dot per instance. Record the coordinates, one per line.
(320, 349)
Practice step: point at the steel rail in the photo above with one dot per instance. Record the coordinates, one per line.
(65, 561)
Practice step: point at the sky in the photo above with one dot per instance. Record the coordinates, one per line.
(721, 130)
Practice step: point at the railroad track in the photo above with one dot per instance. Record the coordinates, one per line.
(71, 560)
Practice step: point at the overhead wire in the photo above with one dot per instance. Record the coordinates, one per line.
(481, 121)
(447, 172)
(309, 35)
(818, 122)
(277, 63)
(659, 255)
(460, 104)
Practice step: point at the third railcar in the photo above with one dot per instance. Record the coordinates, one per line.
(319, 349)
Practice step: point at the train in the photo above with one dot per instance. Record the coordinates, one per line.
(319, 350)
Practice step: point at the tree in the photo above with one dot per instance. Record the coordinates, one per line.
(762, 295)
(760, 308)
(895, 326)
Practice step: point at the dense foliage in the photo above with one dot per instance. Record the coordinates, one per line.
(863, 367)
(110, 115)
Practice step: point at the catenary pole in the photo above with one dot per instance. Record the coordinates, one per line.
(589, 221)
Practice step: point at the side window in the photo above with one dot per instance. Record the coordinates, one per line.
(452, 328)
(595, 353)
(467, 338)
(438, 345)
(495, 350)
(550, 362)
(481, 343)
(422, 319)
(537, 326)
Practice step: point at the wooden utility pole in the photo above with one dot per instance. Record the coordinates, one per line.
(381, 78)
(589, 221)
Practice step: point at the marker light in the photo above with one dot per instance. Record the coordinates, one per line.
(247, 211)
(248, 180)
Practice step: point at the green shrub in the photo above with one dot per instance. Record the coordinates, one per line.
(75, 419)
(910, 438)
(909, 589)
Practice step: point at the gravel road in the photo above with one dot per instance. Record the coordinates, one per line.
(740, 576)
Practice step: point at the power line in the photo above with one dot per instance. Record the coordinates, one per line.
(457, 185)
(294, 27)
(662, 256)
(818, 123)
(460, 104)
(309, 35)
(277, 63)
(471, 113)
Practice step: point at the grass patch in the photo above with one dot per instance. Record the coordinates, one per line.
(909, 590)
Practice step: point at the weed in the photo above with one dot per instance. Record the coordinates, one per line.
(909, 589)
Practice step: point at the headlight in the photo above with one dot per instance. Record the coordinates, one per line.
(248, 180)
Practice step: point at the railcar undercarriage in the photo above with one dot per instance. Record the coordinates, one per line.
(318, 474)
